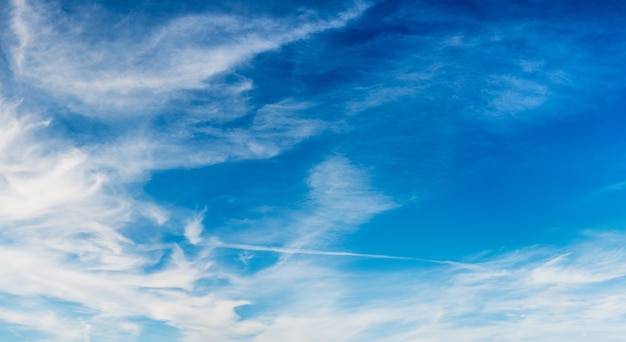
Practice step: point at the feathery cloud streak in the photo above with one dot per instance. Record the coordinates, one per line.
(131, 73)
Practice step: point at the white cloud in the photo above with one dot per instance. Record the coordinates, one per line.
(69, 211)
(35, 177)
(340, 187)
(379, 96)
(515, 95)
(49, 323)
(136, 73)
(340, 198)
(193, 228)
(74, 270)
(275, 128)
(73, 250)
(343, 199)
(498, 298)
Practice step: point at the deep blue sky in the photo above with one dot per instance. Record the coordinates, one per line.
(308, 171)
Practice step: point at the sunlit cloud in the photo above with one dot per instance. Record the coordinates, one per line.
(136, 73)
(383, 126)
(509, 296)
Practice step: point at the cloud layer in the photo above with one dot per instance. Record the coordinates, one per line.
(88, 116)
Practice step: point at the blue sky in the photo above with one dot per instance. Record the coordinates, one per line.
(312, 171)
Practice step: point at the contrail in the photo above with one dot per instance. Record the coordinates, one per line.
(283, 250)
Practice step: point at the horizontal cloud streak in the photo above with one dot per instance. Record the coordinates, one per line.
(314, 252)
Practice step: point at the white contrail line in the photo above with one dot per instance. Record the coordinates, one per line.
(283, 250)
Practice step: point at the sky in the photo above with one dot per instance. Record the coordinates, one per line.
(312, 171)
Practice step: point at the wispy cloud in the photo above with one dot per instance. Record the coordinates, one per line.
(69, 220)
(135, 72)
(87, 262)
(88, 255)
(340, 199)
(38, 176)
(193, 228)
(539, 293)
